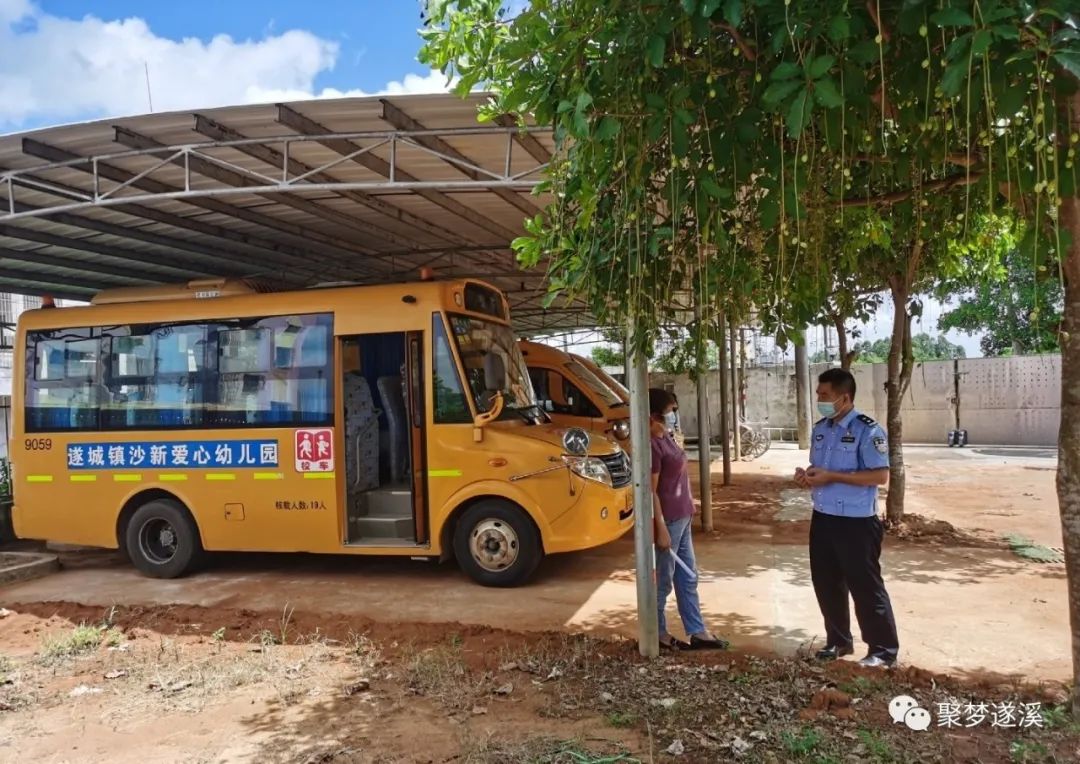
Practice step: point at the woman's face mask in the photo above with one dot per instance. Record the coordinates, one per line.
(671, 419)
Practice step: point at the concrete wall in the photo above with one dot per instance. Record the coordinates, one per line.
(1003, 401)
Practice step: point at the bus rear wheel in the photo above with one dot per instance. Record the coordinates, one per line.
(162, 540)
(496, 544)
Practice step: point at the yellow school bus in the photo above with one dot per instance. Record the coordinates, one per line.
(211, 416)
(573, 395)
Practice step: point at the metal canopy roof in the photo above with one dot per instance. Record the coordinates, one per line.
(360, 189)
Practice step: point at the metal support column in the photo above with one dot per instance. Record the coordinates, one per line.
(644, 550)
(704, 446)
(737, 436)
(725, 399)
(802, 395)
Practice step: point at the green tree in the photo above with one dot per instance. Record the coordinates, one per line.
(1017, 305)
(605, 355)
(707, 147)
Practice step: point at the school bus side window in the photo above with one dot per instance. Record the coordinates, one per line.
(261, 372)
(450, 404)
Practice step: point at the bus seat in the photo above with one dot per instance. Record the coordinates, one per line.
(361, 433)
(397, 419)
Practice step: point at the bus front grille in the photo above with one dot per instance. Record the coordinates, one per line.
(619, 467)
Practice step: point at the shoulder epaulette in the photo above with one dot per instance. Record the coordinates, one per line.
(868, 421)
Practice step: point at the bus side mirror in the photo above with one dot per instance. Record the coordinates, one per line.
(484, 419)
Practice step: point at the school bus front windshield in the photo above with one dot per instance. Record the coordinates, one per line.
(347, 420)
(489, 354)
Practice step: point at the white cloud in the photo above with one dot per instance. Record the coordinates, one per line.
(54, 69)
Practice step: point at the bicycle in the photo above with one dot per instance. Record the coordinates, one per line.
(754, 441)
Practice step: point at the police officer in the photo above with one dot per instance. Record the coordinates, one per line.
(848, 461)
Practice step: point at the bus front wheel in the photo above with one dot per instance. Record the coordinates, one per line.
(496, 544)
(162, 539)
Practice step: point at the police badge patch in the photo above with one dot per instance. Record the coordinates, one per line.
(881, 445)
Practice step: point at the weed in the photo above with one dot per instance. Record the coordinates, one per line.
(877, 746)
(622, 719)
(802, 744)
(1058, 717)
(861, 686)
(84, 638)
(540, 750)
(1023, 751)
(284, 624)
(267, 638)
(219, 635)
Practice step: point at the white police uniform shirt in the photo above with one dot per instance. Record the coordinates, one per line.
(853, 443)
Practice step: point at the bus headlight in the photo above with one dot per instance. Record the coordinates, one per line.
(621, 429)
(590, 469)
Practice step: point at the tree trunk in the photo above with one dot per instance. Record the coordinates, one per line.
(1068, 474)
(847, 357)
(894, 389)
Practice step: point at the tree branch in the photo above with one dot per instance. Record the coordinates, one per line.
(744, 46)
(899, 196)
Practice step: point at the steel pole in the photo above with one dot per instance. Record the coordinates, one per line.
(644, 550)
(725, 399)
(735, 393)
(704, 447)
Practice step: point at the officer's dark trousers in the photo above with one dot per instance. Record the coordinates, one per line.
(845, 557)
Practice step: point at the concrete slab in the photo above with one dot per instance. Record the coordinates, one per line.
(23, 566)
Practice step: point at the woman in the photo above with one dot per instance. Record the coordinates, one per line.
(673, 509)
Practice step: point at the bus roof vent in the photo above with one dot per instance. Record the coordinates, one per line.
(203, 289)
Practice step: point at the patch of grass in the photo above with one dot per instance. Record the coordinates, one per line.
(621, 719)
(440, 672)
(83, 639)
(1024, 751)
(861, 686)
(801, 744)
(877, 746)
(1059, 718)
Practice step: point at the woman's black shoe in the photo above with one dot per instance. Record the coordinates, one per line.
(711, 643)
(674, 645)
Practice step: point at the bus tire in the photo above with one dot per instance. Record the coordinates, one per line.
(162, 539)
(497, 544)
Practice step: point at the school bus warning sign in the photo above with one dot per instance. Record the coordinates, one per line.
(315, 450)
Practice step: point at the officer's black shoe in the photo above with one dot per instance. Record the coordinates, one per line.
(832, 652)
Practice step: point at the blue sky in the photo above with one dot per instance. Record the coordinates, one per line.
(70, 60)
(377, 37)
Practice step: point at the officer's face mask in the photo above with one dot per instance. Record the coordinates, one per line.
(827, 408)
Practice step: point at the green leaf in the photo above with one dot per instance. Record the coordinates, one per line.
(1007, 32)
(827, 94)
(1070, 60)
(733, 12)
(584, 101)
(656, 49)
(655, 101)
(953, 17)
(785, 70)
(608, 128)
(680, 139)
(690, 6)
(981, 43)
(1011, 101)
(799, 115)
(839, 29)
(565, 106)
(999, 13)
(954, 78)
(713, 189)
(866, 52)
(820, 66)
(775, 94)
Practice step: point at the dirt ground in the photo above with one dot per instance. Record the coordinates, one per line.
(301, 658)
